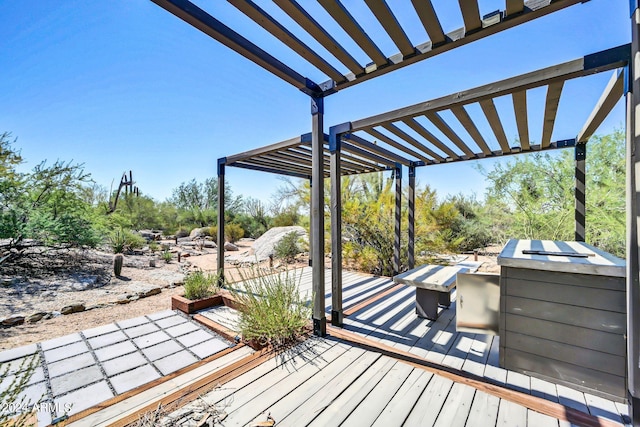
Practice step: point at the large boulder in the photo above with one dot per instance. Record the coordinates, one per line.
(265, 244)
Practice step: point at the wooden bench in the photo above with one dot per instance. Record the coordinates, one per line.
(433, 286)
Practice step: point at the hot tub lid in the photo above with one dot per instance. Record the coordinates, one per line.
(560, 256)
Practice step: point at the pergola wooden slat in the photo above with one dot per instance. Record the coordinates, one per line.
(517, 12)
(491, 113)
(554, 91)
(520, 110)
(466, 121)
(612, 93)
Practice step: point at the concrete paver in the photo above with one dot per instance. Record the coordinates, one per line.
(168, 322)
(161, 350)
(128, 323)
(134, 378)
(101, 330)
(182, 329)
(59, 342)
(84, 398)
(75, 380)
(107, 339)
(136, 331)
(151, 339)
(123, 363)
(208, 348)
(174, 362)
(18, 352)
(83, 369)
(116, 350)
(64, 352)
(70, 364)
(194, 338)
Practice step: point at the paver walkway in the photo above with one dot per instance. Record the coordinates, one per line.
(80, 370)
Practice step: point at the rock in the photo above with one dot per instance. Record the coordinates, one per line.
(73, 308)
(198, 232)
(13, 321)
(150, 235)
(152, 262)
(265, 244)
(35, 317)
(230, 247)
(148, 293)
(93, 307)
(123, 299)
(209, 244)
(183, 240)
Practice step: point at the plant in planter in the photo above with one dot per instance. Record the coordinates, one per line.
(198, 285)
(271, 308)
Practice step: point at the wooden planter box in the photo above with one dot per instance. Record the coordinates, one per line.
(179, 302)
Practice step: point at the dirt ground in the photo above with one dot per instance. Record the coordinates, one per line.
(136, 273)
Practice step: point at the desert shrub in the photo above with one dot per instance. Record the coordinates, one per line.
(198, 285)
(271, 308)
(154, 247)
(233, 232)
(167, 256)
(287, 248)
(124, 240)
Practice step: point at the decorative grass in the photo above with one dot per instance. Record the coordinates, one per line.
(198, 285)
(271, 309)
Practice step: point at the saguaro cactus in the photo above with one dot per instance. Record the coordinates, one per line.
(118, 260)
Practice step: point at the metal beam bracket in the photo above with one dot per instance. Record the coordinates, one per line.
(317, 105)
(221, 162)
(335, 133)
(581, 151)
(620, 54)
(412, 170)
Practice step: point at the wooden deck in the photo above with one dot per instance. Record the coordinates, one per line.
(333, 381)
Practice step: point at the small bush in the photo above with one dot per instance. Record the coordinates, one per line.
(154, 247)
(287, 248)
(11, 396)
(271, 309)
(198, 285)
(233, 232)
(167, 256)
(122, 241)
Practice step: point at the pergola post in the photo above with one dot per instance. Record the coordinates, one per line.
(336, 230)
(221, 164)
(397, 173)
(633, 213)
(412, 216)
(310, 227)
(580, 185)
(317, 215)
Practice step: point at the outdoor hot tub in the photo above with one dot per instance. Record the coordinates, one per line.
(563, 314)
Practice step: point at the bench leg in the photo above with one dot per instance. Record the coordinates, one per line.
(427, 303)
(444, 299)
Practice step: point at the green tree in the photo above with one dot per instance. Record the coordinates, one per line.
(536, 194)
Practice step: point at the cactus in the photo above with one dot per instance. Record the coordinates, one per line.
(118, 260)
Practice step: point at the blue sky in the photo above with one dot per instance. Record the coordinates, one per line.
(123, 84)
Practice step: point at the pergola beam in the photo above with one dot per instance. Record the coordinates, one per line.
(270, 170)
(522, 122)
(387, 19)
(342, 16)
(554, 91)
(266, 21)
(590, 64)
(466, 122)
(311, 26)
(491, 113)
(470, 15)
(430, 21)
(198, 18)
(609, 98)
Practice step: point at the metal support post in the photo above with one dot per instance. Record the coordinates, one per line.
(317, 216)
(412, 216)
(633, 218)
(580, 185)
(336, 231)
(310, 227)
(221, 167)
(398, 219)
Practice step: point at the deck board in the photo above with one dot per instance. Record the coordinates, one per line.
(484, 411)
(402, 403)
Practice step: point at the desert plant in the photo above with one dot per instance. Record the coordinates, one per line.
(167, 256)
(154, 247)
(13, 401)
(233, 232)
(271, 308)
(287, 248)
(198, 285)
(118, 260)
(122, 241)
(182, 232)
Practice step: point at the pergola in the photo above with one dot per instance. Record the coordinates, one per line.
(381, 142)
